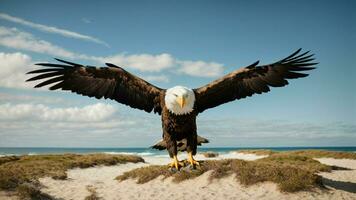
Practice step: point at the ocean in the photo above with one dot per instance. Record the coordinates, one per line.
(6, 151)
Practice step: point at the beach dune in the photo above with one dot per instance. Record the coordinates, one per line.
(81, 183)
(100, 181)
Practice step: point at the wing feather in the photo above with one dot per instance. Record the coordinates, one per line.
(253, 79)
(111, 82)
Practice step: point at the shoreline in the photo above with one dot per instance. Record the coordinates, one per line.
(143, 151)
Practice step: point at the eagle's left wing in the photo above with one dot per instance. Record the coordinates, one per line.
(252, 80)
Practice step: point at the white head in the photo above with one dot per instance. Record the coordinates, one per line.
(179, 100)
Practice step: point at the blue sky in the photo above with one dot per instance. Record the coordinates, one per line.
(179, 43)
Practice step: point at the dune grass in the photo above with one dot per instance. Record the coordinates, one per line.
(21, 173)
(93, 194)
(6, 159)
(326, 154)
(307, 153)
(259, 152)
(291, 171)
(210, 154)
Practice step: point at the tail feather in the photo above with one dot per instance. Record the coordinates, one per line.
(181, 145)
(160, 145)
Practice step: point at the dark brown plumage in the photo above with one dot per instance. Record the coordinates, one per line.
(115, 83)
(111, 82)
(178, 127)
(253, 79)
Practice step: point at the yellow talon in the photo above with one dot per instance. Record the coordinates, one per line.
(176, 163)
(191, 160)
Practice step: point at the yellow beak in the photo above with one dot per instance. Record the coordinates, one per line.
(181, 101)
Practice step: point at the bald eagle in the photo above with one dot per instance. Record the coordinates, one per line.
(178, 106)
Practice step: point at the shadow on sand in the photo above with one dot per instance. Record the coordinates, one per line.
(340, 185)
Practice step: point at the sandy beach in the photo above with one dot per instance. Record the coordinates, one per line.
(81, 183)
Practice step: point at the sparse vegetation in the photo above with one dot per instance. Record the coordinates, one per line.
(31, 191)
(210, 154)
(325, 154)
(93, 194)
(22, 173)
(6, 159)
(259, 152)
(289, 170)
(306, 153)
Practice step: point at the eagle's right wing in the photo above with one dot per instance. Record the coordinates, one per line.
(111, 82)
(251, 80)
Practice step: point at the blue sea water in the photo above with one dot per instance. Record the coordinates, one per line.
(145, 151)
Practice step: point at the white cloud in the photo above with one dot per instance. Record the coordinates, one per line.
(201, 68)
(129, 129)
(142, 62)
(51, 29)
(99, 125)
(264, 133)
(38, 112)
(156, 63)
(5, 98)
(158, 78)
(13, 69)
(13, 38)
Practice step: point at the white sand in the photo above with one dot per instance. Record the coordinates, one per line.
(340, 183)
(347, 163)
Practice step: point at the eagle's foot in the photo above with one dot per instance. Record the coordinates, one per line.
(194, 162)
(191, 160)
(176, 163)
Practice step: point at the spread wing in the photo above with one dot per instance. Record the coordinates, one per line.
(253, 79)
(110, 82)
